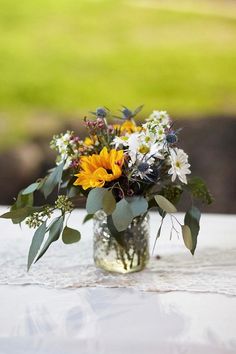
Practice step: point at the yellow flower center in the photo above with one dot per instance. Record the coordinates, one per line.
(177, 164)
(144, 149)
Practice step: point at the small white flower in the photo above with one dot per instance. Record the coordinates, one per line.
(179, 165)
(140, 145)
(66, 147)
(117, 141)
(160, 118)
(156, 125)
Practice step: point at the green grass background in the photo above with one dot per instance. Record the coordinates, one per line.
(61, 58)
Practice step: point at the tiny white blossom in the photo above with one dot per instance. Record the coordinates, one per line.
(156, 125)
(66, 148)
(117, 141)
(179, 165)
(159, 118)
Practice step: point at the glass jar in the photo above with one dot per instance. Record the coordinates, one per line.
(123, 252)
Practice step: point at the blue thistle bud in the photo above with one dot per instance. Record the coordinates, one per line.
(127, 113)
(101, 113)
(171, 138)
(143, 166)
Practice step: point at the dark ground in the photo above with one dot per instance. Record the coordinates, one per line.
(210, 144)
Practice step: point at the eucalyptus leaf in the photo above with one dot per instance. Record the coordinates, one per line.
(70, 235)
(108, 202)
(165, 204)
(138, 205)
(24, 200)
(21, 202)
(31, 188)
(41, 183)
(53, 180)
(122, 215)
(54, 234)
(95, 200)
(118, 236)
(87, 218)
(21, 213)
(187, 236)
(36, 243)
(72, 192)
(192, 219)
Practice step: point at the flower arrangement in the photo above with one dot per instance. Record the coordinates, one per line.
(124, 169)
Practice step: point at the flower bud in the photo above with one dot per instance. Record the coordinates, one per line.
(101, 113)
(171, 138)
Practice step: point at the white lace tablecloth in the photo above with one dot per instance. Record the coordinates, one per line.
(211, 270)
(179, 305)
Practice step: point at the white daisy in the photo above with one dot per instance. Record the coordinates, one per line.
(120, 140)
(179, 165)
(140, 145)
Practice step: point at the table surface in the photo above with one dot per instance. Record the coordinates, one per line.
(125, 313)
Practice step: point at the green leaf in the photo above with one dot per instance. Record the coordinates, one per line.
(70, 235)
(41, 183)
(138, 205)
(21, 213)
(192, 219)
(87, 218)
(54, 234)
(31, 188)
(187, 236)
(21, 202)
(165, 204)
(36, 243)
(118, 236)
(24, 200)
(122, 215)
(72, 192)
(53, 180)
(199, 190)
(95, 200)
(108, 202)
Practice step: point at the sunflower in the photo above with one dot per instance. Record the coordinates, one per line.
(96, 170)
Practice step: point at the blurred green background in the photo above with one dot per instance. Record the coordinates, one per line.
(62, 58)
